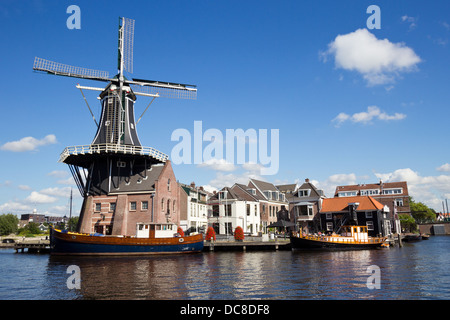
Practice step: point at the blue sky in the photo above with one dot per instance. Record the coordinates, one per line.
(352, 105)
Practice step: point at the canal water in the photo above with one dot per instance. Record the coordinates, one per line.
(415, 271)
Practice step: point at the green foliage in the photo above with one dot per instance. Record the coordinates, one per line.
(407, 223)
(30, 230)
(421, 212)
(8, 224)
(72, 224)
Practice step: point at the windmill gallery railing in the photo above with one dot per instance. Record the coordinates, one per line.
(112, 148)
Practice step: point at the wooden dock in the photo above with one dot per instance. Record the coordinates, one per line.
(41, 246)
(246, 245)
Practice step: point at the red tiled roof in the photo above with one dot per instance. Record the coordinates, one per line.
(341, 204)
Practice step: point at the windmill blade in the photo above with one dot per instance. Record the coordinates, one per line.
(164, 89)
(127, 47)
(69, 71)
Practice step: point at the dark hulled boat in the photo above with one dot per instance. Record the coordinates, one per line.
(353, 238)
(72, 243)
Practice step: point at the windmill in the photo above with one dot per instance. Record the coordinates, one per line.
(115, 163)
(116, 134)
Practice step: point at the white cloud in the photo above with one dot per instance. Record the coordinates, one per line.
(444, 168)
(372, 113)
(252, 170)
(329, 185)
(378, 61)
(14, 206)
(24, 187)
(28, 143)
(411, 20)
(37, 197)
(430, 190)
(217, 164)
(427, 189)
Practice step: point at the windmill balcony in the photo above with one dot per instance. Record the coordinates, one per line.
(112, 148)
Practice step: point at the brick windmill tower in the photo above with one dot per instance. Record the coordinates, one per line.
(122, 182)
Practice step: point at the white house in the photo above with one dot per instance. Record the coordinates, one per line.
(232, 207)
(193, 208)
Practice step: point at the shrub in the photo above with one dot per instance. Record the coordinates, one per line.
(210, 234)
(239, 233)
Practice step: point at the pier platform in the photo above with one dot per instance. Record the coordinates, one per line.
(41, 246)
(210, 246)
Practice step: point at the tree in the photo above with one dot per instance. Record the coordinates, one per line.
(407, 222)
(30, 229)
(8, 224)
(72, 223)
(421, 212)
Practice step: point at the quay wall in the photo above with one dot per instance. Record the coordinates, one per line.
(435, 228)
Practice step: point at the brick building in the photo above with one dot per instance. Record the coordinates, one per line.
(155, 198)
(394, 195)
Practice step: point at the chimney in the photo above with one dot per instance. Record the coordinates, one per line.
(193, 185)
(306, 180)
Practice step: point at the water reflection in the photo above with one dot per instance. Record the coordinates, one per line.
(406, 273)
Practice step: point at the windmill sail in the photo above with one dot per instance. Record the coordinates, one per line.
(126, 39)
(61, 69)
(164, 89)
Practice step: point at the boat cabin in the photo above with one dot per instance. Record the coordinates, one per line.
(156, 230)
(357, 233)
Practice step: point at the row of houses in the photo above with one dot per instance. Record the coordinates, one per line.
(157, 197)
(257, 205)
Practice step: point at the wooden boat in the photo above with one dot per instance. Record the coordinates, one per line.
(352, 238)
(149, 239)
(425, 236)
(412, 237)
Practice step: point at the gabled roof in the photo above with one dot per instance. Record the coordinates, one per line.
(287, 187)
(314, 191)
(241, 191)
(260, 187)
(230, 195)
(366, 203)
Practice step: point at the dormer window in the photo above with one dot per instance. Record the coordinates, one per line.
(223, 194)
(304, 192)
(268, 194)
(252, 191)
(393, 191)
